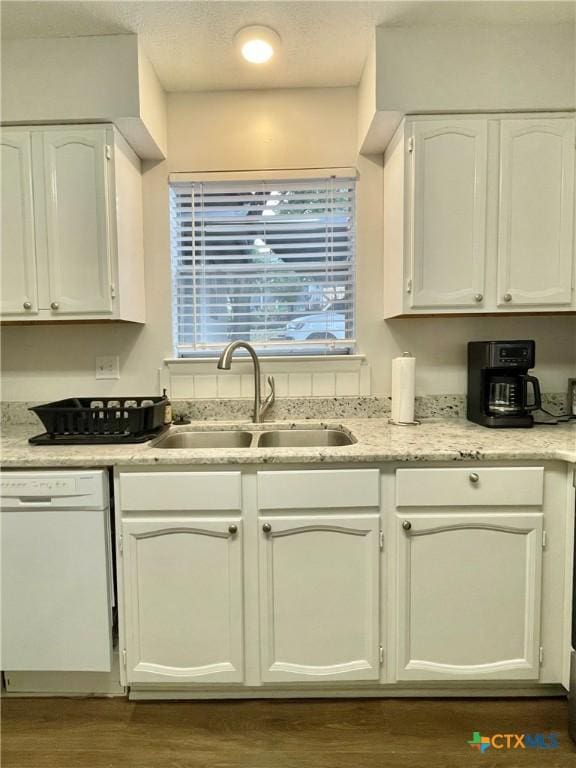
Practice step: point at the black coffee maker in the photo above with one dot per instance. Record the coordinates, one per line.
(498, 383)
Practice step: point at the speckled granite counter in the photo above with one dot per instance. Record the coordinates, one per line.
(377, 441)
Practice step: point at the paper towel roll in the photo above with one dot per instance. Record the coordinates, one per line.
(403, 378)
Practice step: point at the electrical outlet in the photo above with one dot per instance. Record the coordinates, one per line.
(108, 367)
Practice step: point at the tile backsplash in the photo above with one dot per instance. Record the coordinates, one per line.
(342, 377)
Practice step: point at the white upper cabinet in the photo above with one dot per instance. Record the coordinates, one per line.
(535, 237)
(448, 213)
(78, 232)
(18, 256)
(72, 222)
(479, 215)
(319, 598)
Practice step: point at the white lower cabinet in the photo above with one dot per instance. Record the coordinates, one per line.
(319, 598)
(269, 578)
(183, 583)
(468, 596)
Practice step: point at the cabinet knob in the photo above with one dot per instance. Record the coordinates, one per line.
(507, 297)
(478, 297)
(406, 524)
(27, 305)
(232, 529)
(474, 477)
(55, 305)
(266, 527)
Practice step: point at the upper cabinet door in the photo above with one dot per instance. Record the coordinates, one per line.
(448, 223)
(535, 239)
(78, 225)
(469, 596)
(19, 284)
(319, 598)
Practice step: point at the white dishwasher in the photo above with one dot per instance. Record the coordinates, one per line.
(57, 590)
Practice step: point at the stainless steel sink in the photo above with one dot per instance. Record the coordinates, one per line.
(208, 439)
(304, 438)
(237, 438)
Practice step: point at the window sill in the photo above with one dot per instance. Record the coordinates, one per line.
(265, 359)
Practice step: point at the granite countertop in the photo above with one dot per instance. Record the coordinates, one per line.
(447, 439)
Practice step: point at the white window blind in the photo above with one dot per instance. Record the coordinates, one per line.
(269, 262)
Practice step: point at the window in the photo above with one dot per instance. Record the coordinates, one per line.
(269, 262)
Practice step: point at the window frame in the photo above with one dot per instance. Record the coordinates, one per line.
(344, 347)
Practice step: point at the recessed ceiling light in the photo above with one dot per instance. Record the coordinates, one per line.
(257, 44)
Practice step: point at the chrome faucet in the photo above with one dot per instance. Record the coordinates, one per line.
(225, 363)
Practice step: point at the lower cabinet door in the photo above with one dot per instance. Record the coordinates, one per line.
(468, 596)
(184, 600)
(319, 598)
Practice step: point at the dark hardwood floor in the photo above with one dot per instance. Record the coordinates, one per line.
(366, 733)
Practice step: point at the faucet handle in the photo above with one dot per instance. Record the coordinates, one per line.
(272, 385)
(270, 397)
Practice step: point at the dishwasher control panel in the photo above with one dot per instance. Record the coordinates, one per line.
(70, 489)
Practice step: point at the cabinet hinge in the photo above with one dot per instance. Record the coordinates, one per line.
(544, 539)
(112, 290)
(541, 655)
(381, 654)
(108, 152)
(574, 478)
(411, 144)
(381, 539)
(124, 657)
(120, 544)
(408, 286)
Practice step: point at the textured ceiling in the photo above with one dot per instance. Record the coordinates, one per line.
(323, 43)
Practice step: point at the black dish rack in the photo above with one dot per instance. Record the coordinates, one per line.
(89, 420)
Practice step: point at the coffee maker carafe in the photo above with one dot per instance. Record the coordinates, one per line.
(500, 391)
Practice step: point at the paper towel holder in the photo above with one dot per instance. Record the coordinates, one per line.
(414, 423)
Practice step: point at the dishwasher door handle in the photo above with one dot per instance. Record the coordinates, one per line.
(35, 501)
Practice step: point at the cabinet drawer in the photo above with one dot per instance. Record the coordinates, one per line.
(173, 491)
(473, 486)
(323, 489)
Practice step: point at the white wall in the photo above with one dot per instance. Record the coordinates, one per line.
(44, 362)
(254, 130)
(85, 79)
(48, 80)
(251, 131)
(439, 344)
(450, 68)
(152, 103)
(521, 67)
